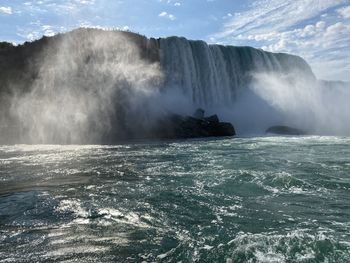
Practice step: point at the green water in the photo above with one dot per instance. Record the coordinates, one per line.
(267, 199)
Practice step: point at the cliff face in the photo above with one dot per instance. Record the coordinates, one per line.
(187, 64)
(20, 65)
(92, 86)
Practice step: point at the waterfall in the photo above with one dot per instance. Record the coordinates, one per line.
(97, 86)
(215, 74)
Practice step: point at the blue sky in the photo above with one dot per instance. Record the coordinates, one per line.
(318, 30)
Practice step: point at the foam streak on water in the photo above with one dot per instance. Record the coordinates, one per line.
(268, 199)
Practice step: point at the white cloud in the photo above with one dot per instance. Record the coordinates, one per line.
(345, 11)
(85, 2)
(166, 15)
(318, 30)
(48, 30)
(229, 15)
(267, 15)
(6, 10)
(177, 3)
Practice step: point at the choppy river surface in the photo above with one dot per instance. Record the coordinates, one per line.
(265, 199)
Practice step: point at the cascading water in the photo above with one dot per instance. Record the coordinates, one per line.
(214, 74)
(254, 89)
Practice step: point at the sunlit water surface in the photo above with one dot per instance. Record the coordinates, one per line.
(268, 199)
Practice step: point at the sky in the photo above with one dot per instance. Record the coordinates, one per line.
(317, 30)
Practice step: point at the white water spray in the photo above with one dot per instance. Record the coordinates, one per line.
(88, 83)
(310, 105)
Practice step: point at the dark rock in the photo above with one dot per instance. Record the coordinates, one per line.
(213, 118)
(176, 126)
(285, 130)
(199, 114)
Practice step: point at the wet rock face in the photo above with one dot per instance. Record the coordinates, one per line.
(285, 130)
(177, 126)
(199, 114)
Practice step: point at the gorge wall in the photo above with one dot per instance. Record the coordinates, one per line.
(95, 86)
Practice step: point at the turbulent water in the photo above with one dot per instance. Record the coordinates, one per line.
(265, 199)
(216, 74)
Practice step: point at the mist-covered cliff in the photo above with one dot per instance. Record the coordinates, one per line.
(79, 87)
(93, 86)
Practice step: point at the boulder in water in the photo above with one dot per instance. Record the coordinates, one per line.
(199, 113)
(213, 118)
(285, 130)
(176, 126)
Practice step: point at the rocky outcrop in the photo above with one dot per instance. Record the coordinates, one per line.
(176, 126)
(285, 130)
